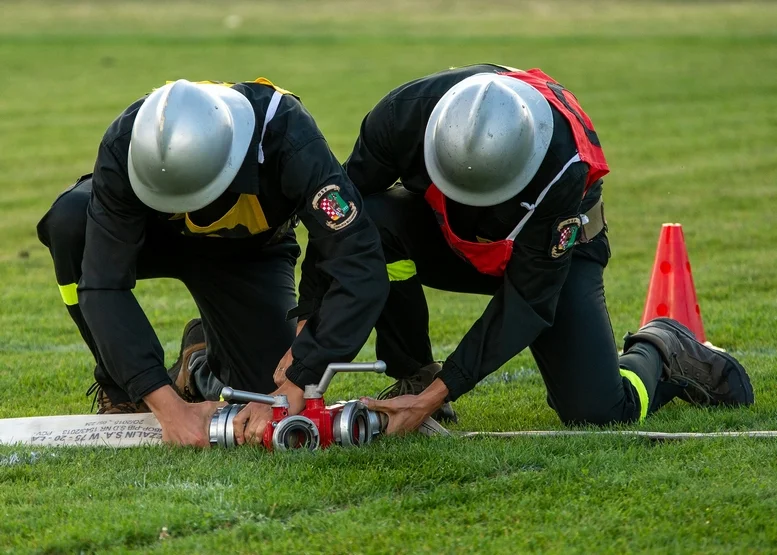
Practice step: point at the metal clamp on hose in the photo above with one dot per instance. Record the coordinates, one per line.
(295, 432)
(221, 431)
(351, 426)
(355, 425)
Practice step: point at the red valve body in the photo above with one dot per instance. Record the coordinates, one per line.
(315, 409)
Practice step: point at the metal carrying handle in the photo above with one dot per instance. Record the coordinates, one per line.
(378, 366)
(239, 396)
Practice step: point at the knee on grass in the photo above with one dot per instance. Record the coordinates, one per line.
(64, 225)
(594, 415)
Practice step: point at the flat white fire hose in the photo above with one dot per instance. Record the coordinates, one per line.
(133, 430)
(110, 430)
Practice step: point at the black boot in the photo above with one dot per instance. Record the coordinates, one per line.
(704, 375)
(414, 385)
(106, 406)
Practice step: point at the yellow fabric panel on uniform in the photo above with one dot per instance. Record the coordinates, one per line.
(641, 391)
(401, 270)
(69, 293)
(247, 212)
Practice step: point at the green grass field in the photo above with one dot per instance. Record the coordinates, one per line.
(683, 96)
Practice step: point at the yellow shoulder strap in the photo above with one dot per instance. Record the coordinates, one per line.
(259, 80)
(265, 81)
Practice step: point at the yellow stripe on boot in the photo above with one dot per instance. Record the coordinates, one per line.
(635, 380)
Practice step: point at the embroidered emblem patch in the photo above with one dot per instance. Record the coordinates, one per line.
(564, 236)
(337, 212)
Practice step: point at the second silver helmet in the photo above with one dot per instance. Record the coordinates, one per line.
(486, 139)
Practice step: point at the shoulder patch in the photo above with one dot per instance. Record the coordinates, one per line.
(564, 236)
(335, 211)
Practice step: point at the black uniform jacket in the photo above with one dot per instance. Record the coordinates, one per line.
(300, 176)
(390, 148)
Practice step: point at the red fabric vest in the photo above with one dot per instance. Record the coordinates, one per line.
(492, 258)
(565, 102)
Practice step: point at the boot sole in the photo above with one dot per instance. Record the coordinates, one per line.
(741, 372)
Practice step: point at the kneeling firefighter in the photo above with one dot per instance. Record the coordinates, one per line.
(203, 182)
(499, 192)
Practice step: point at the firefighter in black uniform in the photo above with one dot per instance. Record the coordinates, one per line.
(203, 182)
(499, 192)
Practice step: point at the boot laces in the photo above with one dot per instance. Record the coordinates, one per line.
(690, 382)
(96, 391)
(403, 386)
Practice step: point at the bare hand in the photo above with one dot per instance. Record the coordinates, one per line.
(280, 372)
(249, 424)
(182, 423)
(279, 376)
(191, 426)
(406, 413)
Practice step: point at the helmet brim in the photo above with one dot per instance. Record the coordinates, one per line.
(244, 124)
(542, 116)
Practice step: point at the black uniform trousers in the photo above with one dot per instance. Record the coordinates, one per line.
(243, 290)
(576, 356)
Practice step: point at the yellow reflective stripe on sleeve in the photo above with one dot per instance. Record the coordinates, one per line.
(69, 293)
(400, 270)
(641, 391)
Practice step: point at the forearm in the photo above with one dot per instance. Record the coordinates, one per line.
(350, 308)
(128, 346)
(433, 397)
(313, 285)
(505, 329)
(294, 394)
(165, 403)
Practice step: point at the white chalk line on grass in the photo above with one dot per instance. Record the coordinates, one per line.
(431, 427)
(759, 434)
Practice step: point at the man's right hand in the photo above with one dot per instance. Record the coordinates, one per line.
(279, 376)
(182, 423)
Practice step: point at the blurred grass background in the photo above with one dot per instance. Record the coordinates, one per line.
(682, 94)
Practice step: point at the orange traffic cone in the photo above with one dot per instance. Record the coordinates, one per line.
(671, 292)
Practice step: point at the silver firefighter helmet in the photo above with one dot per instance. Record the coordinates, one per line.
(486, 139)
(188, 142)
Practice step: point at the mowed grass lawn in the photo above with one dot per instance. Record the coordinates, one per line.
(683, 96)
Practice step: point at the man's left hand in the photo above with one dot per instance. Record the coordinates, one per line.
(406, 413)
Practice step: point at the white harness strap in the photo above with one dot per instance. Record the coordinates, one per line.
(532, 207)
(271, 109)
